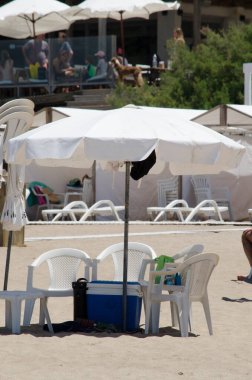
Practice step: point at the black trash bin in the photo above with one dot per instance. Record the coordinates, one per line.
(79, 294)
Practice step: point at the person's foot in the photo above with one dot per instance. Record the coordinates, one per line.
(241, 278)
(245, 279)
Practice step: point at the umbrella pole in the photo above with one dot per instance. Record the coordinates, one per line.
(122, 36)
(6, 275)
(125, 253)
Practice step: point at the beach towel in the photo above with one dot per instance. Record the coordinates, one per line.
(161, 261)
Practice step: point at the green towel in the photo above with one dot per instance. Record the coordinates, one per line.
(161, 261)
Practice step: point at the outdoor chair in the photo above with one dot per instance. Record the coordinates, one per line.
(203, 192)
(86, 195)
(44, 197)
(139, 257)
(207, 208)
(101, 208)
(63, 266)
(188, 252)
(195, 274)
(73, 211)
(168, 190)
(17, 103)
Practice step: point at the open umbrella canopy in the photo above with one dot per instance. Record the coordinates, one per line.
(127, 134)
(120, 10)
(130, 133)
(22, 19)
(128, 8)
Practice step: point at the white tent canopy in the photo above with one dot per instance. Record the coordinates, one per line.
(234, 121)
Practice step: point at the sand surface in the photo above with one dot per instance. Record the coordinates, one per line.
(35, 354)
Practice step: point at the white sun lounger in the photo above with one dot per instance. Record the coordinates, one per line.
(78, 211)
(185, 213)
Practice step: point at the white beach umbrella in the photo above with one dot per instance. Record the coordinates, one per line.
(127, 134)
(120, 10)
(28, 18)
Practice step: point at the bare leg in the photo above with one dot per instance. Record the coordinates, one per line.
(247, 246)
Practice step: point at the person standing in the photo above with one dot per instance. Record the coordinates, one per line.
(179, 37)
(64, 45)
(6, 66)
(34, 49)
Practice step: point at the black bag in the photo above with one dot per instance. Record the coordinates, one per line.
(141, 168)
(80, 302)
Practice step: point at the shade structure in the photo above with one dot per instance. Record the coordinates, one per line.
(28, 18)
(120, 10)
(127, 134)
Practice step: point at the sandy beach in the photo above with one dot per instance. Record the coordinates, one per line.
(35, 354)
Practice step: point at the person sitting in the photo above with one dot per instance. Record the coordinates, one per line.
(90, 70)
(120, 55)
(101, 68)
(247, 247)
(6, 66)
(61, 66)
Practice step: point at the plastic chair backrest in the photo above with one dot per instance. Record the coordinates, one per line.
(187, 252)
(137, 253)
(17, 102)
(17, 123)
(201, 267)
(70, 206)
(167, 190)
(201, 188)
(63, 264)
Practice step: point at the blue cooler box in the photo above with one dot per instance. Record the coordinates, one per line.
(104, 303)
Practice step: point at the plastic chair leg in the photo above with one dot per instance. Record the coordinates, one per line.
(41, 312)
(8, 314)
(29, 305)
(206, 307)
(155, 315)
(43, 308)
(15, 315)
(183, 313)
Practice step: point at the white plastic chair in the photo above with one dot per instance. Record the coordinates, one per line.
(71, 210)
(48, 204)
(17, 103)
(195, 273)
(63, 265)
(188, 252)
(101, 208)
(139, 255)
(203, 192)
(167, 190)
(178, 207)
(86, 195)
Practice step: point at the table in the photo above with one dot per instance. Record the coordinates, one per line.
(13, 300)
